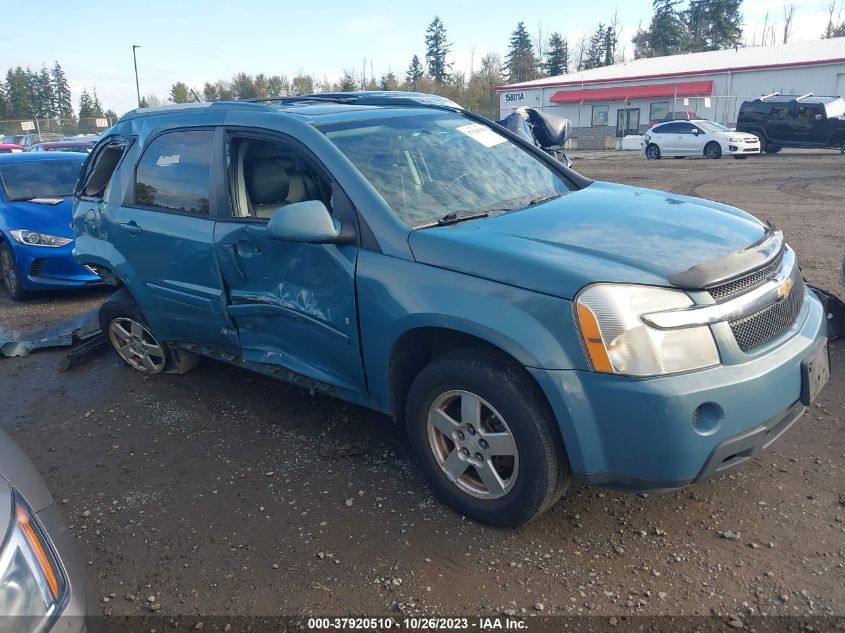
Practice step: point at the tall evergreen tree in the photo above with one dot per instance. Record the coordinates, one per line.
(61, 93)
(557, 57)
(436, 49)
(244, 86)
(414, 72)
(610, 41)
(521, 62)
(45, 101)
(19, 93)
(86, 106)
(348, 82)
(179, 93)
(595, 55)
(389, 81)
(666, 34)
(713, 24)
(96, 106)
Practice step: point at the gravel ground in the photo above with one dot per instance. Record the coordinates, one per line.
(224, 492)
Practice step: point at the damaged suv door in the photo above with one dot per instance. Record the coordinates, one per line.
(292, 300)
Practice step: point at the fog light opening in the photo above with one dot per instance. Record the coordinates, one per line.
(707, 418)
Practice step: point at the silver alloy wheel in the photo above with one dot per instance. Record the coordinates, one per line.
(652, 152)
(472, 444)
(8, 270)
(137, 345)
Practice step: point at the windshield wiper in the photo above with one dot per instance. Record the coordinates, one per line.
(454, 217)
(545, 198)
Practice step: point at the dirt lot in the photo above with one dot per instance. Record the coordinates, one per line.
(222, 492)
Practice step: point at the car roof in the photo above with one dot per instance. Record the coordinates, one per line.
(789, 98)
(323, 106)
(66, 143)
(37, 156)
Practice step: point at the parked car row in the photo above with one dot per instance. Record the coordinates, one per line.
(48, 142)
(766, 125)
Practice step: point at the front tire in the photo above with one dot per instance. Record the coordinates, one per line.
(713, 150)
(485, 438)
(771, 149)
(652, 152)
(740, 157)
(10, 274)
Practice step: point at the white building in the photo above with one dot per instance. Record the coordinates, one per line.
(624, 98)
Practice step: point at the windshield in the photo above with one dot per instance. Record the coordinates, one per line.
(39, 179)
(428, 166)
(712, 126)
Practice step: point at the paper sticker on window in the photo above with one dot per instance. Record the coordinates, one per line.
(166, 161)
(482, 134)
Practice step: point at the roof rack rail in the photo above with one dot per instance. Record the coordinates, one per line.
(367, 97)
(806, 96)
(769, 96)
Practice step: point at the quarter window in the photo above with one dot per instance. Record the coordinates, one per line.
(174, 172)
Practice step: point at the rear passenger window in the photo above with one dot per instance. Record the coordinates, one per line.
(174, 172)
(100, 168)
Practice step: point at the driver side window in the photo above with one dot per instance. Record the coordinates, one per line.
(266, 175)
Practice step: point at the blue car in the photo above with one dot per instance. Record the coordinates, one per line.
(527, 325)
(36, 240)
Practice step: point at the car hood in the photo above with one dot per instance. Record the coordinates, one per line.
(19, 471)
(604, 232)
(39, 216)
(745, 136)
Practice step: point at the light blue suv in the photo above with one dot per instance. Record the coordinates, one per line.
(526, 324)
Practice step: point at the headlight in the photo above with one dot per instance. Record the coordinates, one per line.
(34, 238)
(31, 580)
(618, 341)
(736, 140)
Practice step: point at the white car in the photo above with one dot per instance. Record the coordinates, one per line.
(697, 138)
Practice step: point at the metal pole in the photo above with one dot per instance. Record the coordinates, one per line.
(135, 59)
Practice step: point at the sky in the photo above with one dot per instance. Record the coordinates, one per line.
(205, 40)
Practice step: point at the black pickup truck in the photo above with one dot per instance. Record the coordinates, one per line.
(793, 121)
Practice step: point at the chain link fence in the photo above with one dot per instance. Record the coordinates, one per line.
(28, 131)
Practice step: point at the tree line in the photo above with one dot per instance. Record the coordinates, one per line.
(45, 94)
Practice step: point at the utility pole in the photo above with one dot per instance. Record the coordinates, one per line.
(135, 59)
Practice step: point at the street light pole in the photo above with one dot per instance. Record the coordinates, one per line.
(135, 59)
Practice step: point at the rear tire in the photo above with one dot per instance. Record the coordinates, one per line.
(10, 275)
(652, 152)
(485, 438)
(771, 149)
(123, 323)
(713, 150)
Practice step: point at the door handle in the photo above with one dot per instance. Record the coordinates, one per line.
(130, 227)
(236, 262)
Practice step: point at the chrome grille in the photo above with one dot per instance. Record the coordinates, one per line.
(731, 289)
(767, 324)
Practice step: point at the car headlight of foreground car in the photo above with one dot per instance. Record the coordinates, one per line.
(31, 579)
(618, 341)
(34, 238)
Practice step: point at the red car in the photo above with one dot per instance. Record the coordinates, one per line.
(63, 146)
(6, 148)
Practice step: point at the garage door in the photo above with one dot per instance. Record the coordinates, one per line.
(840, 84)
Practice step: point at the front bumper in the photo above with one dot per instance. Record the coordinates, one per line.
(642, 433)
(741, 147)
(44, 268)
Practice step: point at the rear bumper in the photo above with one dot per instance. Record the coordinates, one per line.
(44, 268)
(666, 432)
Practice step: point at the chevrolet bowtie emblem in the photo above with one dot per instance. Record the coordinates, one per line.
(785, 287)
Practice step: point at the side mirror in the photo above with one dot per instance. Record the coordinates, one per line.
(819, 117)
(309, 222)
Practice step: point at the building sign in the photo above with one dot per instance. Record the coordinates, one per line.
(519, 99)
(27, 126)
(706, 102)
(102, 122)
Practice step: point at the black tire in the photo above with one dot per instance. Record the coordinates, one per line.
(842, 149)
(771, 149)
(740, 157)
(713, 150)
(543, 473)
(121, 305)
(652, 152)
(10, 275)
